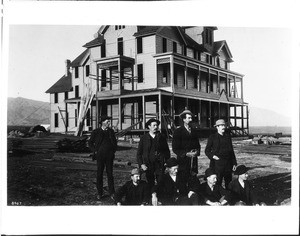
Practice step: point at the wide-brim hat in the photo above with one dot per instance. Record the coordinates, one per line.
(152, 120)
(182, 114)
(242, 169)
(171, 162)
(209, 172)
(220, 122)
(103, 118)
(135, 171)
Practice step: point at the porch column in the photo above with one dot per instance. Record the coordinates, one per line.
(199, 112)
(132, 77)
(209, 83)
(172, 73)
(227, 86)
(242, 113)
(199, 79)
(120, 77)
(228, 114)
(110, 79)
(97, 105)
(218, 89)
(234, 86)
(120, 114)
(144, 116)
(159, 108)
(247, 118)
(185, 77)
(235, 115)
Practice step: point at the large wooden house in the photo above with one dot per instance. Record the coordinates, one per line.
(134, 73)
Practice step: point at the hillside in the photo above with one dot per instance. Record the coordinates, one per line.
(23, 111)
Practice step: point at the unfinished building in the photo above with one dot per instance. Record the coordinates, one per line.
(134, 73)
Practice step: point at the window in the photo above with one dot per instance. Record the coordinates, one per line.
(103, 78)
(66, 95)
(87, 70)
(184, 50)
(140, 73)
(120, 46)
(164, 42)
(76, 91)
(55, 120)
(165, 74)
(140, 45)
(174, 47)
(75, 117)
(88, 117)
(103, 50)
(55, 97)
(67, 119)
(195, 81)
(76, 72)
(117, 27)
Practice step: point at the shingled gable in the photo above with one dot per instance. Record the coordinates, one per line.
(81, 59)
(222, 45)
(64, 84)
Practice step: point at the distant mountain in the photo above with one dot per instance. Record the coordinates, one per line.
(265, 117)
(23, 111)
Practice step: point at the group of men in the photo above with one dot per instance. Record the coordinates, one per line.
(174, 181)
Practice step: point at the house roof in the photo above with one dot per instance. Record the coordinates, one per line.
(147, 30)
(79, 61)
(218, 46)
(95, 42)
(64, 84)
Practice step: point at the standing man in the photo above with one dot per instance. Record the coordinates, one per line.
(153, 152)
(104, 144)
(186, 145)
(135, 191)
(220, 151)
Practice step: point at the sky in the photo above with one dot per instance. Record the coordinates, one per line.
(37, 55)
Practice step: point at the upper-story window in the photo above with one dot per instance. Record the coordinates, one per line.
(120, 46)
(117, 27)
(164, 46)
(87, 70)
(139, 45)
(66, 95)
(55, 120)
(140, 73)
(103, 78)
(55, 97)
(76, 71)
(76, 91)
(174, 47)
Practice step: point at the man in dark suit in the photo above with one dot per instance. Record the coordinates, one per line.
(220, 151)
(211, 193)
(186, 145)
(104, 145)
(135, 191)
(153, 152)
(174, 189)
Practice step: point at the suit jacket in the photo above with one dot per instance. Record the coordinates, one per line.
(162, 148)
(238, 194)
(167, 190)
(134, 195)
(96, 140)
(218, 192)
(213, 146)
(182, 143)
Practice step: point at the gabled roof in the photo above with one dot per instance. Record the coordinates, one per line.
(189, 41)
(147, 30)
(79, 61)
(64, 84)
(95, 42)
(220, 45)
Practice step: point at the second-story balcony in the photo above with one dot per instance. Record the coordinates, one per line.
(187, 76)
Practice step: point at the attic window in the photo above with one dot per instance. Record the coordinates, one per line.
(118, 27)
(76, 72)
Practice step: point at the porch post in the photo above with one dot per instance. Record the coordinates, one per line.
(120, 114)
(144, 116)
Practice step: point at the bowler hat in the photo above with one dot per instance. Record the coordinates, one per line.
(135, 171)
(172, 162)
(103, 118)
(241, 170)
(182, 114)
(220, 122)
(152, 120)
(209, 172)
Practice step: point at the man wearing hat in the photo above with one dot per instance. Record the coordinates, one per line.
(211, 193)
(241, 189)
(135, 191)
(104, 144)
(174, 189)
(220, 151)
(186, 146)
(153, 152)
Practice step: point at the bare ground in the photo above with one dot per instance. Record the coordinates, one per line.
(39, 179)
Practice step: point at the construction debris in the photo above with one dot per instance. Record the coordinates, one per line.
(69, 145)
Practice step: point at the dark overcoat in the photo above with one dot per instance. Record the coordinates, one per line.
(182, 143)
(213, 146)
(162, 150)
(238, 193)
(218, 192)
(96, 139)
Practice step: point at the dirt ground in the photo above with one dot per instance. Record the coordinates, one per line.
(39, 179)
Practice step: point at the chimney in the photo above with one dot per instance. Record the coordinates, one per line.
(68, 63)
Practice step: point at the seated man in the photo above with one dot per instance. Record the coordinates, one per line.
(174, 189)
(212, 194)
(135, 191)
(241, 189)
